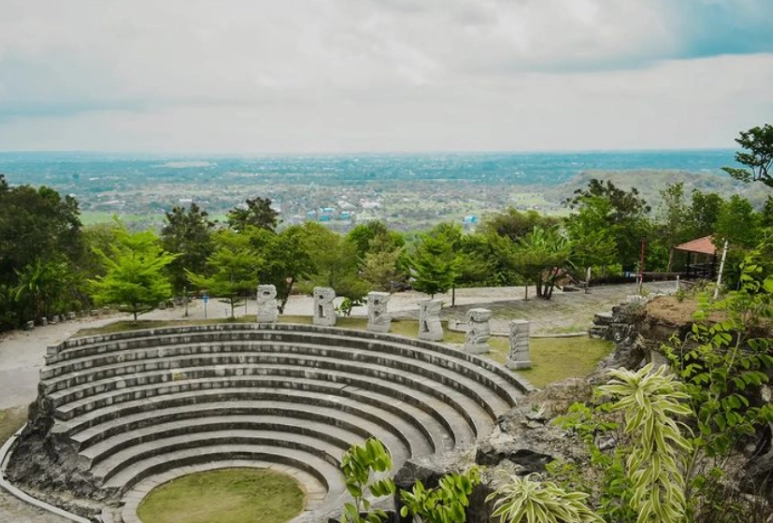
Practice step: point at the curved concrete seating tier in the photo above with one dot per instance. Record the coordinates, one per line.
(144, 405)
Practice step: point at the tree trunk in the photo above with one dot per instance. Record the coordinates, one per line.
(286, 296)
(670, 260)
(453, 295)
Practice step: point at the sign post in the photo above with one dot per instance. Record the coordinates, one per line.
(206, 299)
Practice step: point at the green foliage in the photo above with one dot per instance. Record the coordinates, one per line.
(382, 263)
(232, 269)
(622, 213)
(434, 263)
(521, 500)
(540, 257)
(135, 276)
(256, 212)
(722, 362)
(334, 262)
(40, 240)
(445, 503)
(188, 234)
(757, 155)
(514, 224)
(358, 465)
(650, 401)
(285, 259)
(704, 213)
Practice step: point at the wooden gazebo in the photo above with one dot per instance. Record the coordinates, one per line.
(705, 253)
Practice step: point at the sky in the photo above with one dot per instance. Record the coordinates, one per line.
(268, 76)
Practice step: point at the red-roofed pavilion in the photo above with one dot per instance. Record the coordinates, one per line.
(706, 253)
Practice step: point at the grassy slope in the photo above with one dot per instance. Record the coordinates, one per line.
(239, 495)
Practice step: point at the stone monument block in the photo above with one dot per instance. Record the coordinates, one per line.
(430, 328)
(379, 319)
(43, 321)
(267, 305)
(478, 332)
(519, 357)
(324, 308)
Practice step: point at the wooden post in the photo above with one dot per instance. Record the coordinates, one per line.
(721, 270)
(641, 266)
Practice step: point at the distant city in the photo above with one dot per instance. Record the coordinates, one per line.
(408, 191)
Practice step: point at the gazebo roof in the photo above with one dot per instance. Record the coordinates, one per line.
(703, 245)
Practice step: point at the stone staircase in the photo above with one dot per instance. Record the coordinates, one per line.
(142, 407)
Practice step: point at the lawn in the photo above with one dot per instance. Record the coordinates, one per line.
(239, 495)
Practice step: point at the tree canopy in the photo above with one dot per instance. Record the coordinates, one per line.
(757, 155)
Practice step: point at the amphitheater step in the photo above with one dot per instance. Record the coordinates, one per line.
(98, 352)
(364, 376)
(260, 425)
(103, 377)
(378, 417)
(442, 406)
(157, 450)
(325, 472)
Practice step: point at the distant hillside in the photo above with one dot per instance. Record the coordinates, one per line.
(651, 182)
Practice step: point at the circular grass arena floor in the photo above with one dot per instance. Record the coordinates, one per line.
(240, 495)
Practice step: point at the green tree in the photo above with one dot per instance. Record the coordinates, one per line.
(623, 213)
(187, 233)
(231, 269)
(704, 213)
(335, 262)
(135, 277)
(434, 264)
(285, 259)
(673, 219)
(38, 230)
(540, 258)
(757, 155)
(382, 264)
(738, 223)
(591, 246)
(515, 224)
(257, 212)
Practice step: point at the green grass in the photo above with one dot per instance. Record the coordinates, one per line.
(11, 420)
(553, 359)
(240, 495)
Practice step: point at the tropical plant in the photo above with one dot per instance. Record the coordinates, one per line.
(359, 464)
(446, 503)
(650, 402)
(521, 500)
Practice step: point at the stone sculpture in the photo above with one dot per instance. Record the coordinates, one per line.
(267, 306)
(379, 319)
(430, 328)
(324, 308)
(478, 332)
(519, 357)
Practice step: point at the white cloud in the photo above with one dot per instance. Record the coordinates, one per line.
(238, 75)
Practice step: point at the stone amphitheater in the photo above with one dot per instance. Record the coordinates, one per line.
(120, 414)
